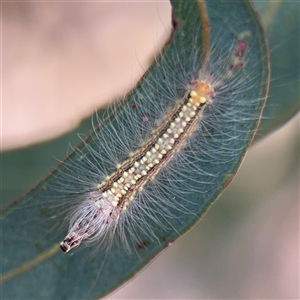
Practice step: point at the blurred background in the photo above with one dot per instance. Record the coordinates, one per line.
(63, 61)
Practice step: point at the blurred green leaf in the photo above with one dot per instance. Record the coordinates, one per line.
(29, 243)
(282, 24)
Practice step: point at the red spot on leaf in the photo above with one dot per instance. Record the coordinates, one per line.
(174, 23)
(241, 47)
(141, 245)
(237, 65)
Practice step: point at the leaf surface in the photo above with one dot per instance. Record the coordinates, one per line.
(282, 24)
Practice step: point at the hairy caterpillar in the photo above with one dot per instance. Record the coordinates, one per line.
(101, 213)
(122, 201)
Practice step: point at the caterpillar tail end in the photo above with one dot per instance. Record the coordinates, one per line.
(70, 242)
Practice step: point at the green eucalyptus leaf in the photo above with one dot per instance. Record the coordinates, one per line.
(282, 24)
(33, 266)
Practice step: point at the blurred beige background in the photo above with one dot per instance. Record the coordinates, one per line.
(61, 61)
